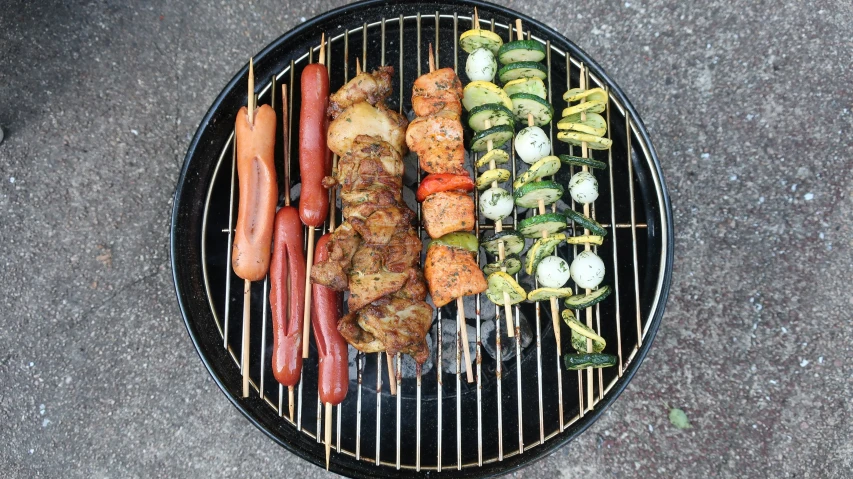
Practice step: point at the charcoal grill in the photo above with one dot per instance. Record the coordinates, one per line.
(518, 410)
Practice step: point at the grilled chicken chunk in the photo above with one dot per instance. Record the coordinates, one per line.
(400, 324)
(370, 163)
(436, 91)
(452, 273)
(415, 287)
(448, 211)
(367, 288)
(363, 118)
(438, 142)
(357, 336)
(370, 87)
(342, 246)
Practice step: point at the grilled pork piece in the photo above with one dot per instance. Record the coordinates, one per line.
(436, 91)
(438, 142)
(368, 164)
(357, 336)
(370, 87)
(448, 211)
(452, 273)
(366, 119)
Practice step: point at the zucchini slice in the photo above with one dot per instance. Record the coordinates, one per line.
(478, 38)
(514, 71)
(578, 139)
(550, 222)
(498, 134)
(528, 103)
(541, 248)
(512, 263)
(521, 51)
(584, 239)
(512, 240)
(583, 301)
(572, 92)
(482, 92)
(495, 113)
(580, 333)
(578, 161)
(534, 86)
(593, 94)
(500, 156)
(544, 294)
(594, 124)
(486, 179)
(545, 167)
(588, 360)
(585, 222)
(528, 196)
(500, 282)
(591, 106)
(466, 241)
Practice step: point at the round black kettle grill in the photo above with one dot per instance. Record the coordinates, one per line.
(523, 404)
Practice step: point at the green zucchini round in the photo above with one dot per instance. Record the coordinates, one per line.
(512, 263)
(514, 71)
(583, 301)
(495, 113)
(578, 161)
(550, 222)
(521, 51)
(524, 104)
(528, 196)
(513, 243)
(574, 362)
(498, 134)
(585, 222)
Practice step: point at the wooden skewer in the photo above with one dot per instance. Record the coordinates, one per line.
(357, 66)
(475, 20)
(247, 285)
(328, 433)
(392, 376)
(585, 154)
(286, 143)
(309, 262)
(463, 328)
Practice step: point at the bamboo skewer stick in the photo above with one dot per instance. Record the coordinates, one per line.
(286, 151)
(309, 262)
(585, 154)
(247, 285)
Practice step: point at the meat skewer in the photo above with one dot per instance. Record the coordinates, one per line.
(436, 99)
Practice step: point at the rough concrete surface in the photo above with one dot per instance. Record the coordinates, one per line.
(748, 103)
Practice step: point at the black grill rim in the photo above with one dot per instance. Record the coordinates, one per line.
(184, 243)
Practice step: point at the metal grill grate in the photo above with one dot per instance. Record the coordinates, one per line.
(353, 436)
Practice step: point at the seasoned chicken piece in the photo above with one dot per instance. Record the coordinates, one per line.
(362, 203)
(380, 122)
(370, 162)
(342, 246)
(400, 324)
(448, 211)
(366, 288)
(437, 140)
(378, 228)
(357, 336)
(452, 273)
(436, 91)
(415, 287)
(370, 87)
(403, 251)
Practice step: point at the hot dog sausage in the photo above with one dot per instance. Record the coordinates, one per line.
(313, 152)
(333, 378)
(250, 256)
(287, 296)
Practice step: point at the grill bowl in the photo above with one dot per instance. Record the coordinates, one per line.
(199, 243)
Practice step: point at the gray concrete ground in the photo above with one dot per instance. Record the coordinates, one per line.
(749, 105)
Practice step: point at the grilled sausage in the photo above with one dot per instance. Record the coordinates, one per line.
(287, 296)
(314, 162)
(333, 378)
(250, 256)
